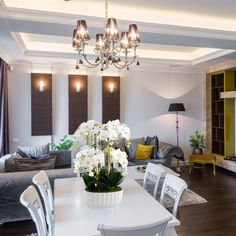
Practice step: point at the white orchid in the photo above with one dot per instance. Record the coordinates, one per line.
(90, 159)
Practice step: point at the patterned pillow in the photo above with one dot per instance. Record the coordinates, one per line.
(131, 150)
(24, 164)
(38, 151)
(120, 145)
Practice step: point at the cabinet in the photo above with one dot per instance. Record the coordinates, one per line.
(222, 117)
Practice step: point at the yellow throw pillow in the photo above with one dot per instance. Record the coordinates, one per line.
(144, 152)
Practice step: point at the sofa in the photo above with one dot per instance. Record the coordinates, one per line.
(164, 156)
(14, 183)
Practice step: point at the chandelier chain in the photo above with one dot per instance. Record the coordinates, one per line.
(106, 9)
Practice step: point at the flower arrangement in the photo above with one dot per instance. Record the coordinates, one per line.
(105, 167)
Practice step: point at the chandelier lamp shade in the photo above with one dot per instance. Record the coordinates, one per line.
(111, 48)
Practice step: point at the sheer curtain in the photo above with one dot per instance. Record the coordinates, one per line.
(4, 123)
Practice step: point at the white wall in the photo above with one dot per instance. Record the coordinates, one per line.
(145, 98)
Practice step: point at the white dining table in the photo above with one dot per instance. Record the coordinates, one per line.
(74, 217)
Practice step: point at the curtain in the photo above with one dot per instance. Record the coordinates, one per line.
(4, 122)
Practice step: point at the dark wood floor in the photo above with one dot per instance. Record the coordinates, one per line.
(216, 217)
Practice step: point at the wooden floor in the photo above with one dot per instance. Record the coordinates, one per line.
(217, 217)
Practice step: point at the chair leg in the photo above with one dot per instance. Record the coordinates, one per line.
(190, 167)
(214, 169)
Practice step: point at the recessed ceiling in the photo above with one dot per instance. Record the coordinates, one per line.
(184, 32)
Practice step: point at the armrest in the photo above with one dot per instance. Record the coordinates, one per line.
(167, 150)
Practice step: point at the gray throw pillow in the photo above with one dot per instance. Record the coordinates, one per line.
(120, 145)
(23, 164)
(153, 141)
(131, 150)
(37, 151)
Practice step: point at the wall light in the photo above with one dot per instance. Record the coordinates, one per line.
(77, 87)
(41, 86)
(111, 88)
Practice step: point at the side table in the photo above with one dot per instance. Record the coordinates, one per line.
(202, 159)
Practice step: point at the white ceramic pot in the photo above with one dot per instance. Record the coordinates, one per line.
(104, 200)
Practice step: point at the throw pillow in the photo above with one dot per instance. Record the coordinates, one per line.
(23, 164)
(153, 141)
(144, 152)
(131, 150)
(120, 145)
(23, 154)
(38, 151)
(2, 162)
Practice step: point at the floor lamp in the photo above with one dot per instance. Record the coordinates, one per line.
(177, 107)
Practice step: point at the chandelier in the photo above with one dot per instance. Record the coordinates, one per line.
(108, 48)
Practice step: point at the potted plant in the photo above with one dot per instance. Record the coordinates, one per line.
(197, 142)
(63, 152)
(104, 168)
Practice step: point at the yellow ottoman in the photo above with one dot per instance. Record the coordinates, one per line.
(202, 159)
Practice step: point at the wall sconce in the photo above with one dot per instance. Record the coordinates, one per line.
(111, 88)
(41, 86)
(77, 87)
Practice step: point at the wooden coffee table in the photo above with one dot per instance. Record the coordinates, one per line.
(202, 159)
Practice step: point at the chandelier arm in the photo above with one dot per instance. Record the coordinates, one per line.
(90, 63)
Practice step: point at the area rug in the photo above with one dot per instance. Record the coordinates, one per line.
(189, 197)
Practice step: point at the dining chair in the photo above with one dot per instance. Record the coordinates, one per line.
(152, 176)
(173, 187)
(42, 182)
(153, 229)
(31, 200)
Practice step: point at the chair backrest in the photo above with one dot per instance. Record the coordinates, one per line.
(44, 186)
(154, 229)
(153, 174)
(30, 199)
(173, 187)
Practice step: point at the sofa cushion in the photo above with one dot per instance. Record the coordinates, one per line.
(131, 150)
(153, 141)
(22, 164)
(144, 152)
(37, 151)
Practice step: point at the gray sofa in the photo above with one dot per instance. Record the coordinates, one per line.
(13, 184)
(164, 156)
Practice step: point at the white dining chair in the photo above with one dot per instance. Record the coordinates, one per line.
(152, 177)
(153, 229)
(31, 200)
(173, 187)
(42, 182)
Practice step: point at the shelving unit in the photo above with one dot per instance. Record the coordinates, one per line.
(222, 114)
(217, 86)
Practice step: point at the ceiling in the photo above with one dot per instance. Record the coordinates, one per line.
(195, 33)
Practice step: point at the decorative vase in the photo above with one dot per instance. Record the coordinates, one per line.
(197, 151)
(104, 200)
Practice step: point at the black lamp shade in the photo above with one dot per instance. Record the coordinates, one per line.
(176, 107)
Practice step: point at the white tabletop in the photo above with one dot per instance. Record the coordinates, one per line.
(74, 217)
(134, 173)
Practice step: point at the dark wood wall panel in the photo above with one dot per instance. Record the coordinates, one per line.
(41, 105)
(78, 102)
(110, 101)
